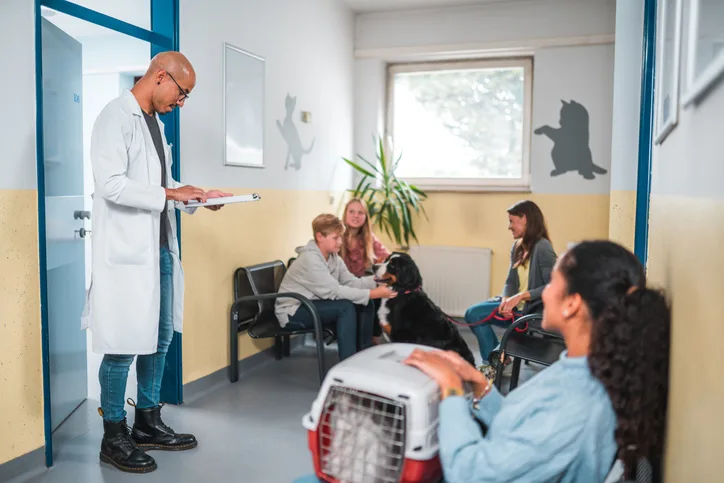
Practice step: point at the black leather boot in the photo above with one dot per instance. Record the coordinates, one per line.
(150, 432)
(119, 449)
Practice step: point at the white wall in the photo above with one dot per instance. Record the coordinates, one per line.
(580, 72)
(584, 75)
(17, 125)
(114, 53)
(627, 94)
(369, 104)
(308, 47)
(496, 23)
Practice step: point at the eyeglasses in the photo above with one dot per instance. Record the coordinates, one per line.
(182, 93)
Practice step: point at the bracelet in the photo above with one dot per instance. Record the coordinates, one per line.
(476, 400)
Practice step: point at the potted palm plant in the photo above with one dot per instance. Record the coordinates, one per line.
(392, 202)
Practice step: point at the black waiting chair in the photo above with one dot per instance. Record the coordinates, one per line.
(533, 345)
(255, 291)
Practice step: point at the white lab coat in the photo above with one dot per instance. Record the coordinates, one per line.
(123, 301)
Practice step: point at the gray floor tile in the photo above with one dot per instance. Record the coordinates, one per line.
(248, 432)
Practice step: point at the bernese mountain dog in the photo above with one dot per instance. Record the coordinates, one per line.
(411, 316)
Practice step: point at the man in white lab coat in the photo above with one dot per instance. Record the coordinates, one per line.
(135, 301)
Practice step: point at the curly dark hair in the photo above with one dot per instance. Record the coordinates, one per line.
(629, 350)
(535, 228)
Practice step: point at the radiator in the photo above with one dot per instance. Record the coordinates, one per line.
(454, 277)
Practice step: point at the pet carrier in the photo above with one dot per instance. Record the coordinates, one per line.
(375, 421)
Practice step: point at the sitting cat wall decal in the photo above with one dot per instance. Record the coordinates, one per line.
(289, 131)
(571, 151)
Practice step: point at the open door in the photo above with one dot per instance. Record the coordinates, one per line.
(62, 77)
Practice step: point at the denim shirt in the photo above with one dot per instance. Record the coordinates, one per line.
(559, 426)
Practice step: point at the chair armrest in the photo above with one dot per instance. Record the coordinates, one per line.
(273, 296)
(521, 322)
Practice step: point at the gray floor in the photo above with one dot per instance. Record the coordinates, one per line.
(248, 432)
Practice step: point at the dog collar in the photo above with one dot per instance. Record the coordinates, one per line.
(412, 291)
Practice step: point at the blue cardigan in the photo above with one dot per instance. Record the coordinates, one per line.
(558, 426)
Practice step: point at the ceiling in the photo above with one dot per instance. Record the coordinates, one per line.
(363, 6)
(137, 12)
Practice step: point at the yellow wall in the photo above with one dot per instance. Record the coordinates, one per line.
(272, 228)
(685, 258)
(21, 376)
(214, 244)
(481, 220)
(622, 218)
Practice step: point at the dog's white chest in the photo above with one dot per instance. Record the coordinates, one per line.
(383, 312)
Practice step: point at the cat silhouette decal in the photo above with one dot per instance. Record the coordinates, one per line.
(571, 151)
(289, 131)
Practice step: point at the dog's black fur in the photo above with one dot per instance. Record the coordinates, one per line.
(413, 317)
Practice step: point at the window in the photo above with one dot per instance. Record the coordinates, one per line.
(462, 125)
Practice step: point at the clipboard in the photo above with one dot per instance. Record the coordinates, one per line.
(226, 200)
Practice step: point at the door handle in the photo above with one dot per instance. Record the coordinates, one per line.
(83, 232)
(79, 214)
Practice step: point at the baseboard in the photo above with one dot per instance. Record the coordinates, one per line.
(25, 465)
(207, 384)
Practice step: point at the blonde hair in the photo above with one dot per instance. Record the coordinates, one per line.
(326, 224)
(364, 233)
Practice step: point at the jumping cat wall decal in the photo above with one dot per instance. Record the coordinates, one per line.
(571, 151)
(290, 133)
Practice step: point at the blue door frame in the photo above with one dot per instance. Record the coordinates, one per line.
(164, 35)
(646, 127)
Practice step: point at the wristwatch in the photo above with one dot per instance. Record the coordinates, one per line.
(451, 391)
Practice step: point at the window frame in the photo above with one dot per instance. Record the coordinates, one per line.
(521, 184)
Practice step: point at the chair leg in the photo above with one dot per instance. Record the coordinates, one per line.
(320, 359)
(233, 353)
(516, 373)
(278, 349)
(286, 345)
(499, 368)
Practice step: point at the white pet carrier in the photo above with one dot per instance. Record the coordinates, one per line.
(375, 420)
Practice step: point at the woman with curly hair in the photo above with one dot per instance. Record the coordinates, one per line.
(604, 400)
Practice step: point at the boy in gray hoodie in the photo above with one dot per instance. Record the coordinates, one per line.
(341, 299)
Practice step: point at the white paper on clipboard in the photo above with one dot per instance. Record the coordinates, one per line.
(226, 200)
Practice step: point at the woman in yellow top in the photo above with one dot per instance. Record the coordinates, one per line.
(531, 260)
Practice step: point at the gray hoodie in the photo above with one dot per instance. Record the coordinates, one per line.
(318, 279)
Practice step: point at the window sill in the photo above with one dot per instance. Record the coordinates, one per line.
(464, 188)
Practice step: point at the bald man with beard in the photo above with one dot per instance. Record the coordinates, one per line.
(135, 301)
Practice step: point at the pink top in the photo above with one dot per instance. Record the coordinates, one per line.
(355, 258)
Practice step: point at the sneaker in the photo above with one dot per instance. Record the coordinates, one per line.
(488, 371)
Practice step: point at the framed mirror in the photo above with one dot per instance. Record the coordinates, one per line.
(668, 61)
(243, 108)
(705, 49)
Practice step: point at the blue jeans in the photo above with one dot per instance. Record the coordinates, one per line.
(487, 340)
(353, 323)
(113, 373)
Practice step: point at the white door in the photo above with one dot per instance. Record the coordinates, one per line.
(64, 222)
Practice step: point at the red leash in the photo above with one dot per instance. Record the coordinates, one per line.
(493, 315)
